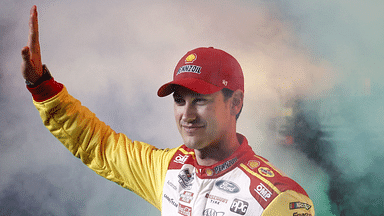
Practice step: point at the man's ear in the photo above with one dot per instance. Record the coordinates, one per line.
(237, 102)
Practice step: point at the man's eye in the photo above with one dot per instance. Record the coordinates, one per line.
(200, 100)
(178, 101)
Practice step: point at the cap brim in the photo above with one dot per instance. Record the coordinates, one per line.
(195, 85)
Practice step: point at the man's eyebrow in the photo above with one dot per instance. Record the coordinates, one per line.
(176, 95)
(193, 94)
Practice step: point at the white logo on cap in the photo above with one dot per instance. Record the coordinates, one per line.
(225, 82)
(189, 68)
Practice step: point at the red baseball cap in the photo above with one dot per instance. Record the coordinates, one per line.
(205, 71)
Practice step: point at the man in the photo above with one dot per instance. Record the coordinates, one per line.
(215, 171)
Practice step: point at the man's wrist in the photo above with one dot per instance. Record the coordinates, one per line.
(45, 87)
(46, 76)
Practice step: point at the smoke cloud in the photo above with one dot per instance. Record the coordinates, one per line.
(347, 146)
(114, 55)
(341, 131)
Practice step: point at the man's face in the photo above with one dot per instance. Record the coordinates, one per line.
(202, 120)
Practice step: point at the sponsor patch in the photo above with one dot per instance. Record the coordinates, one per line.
(227, 186)
(265, 171)
(212, 212)
(263, 191)
(215, 199)
(301, 214)
(170, 200)
(239, 206)
(253, 164)
(191, 58)
(209, 172)
(181, 159)
(186, 197)
(189, 68)
(299, 205)
(186, 179)
(224, 166)
(185, 210)
(172, 185)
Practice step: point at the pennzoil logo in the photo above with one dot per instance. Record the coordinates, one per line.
(225, 165)
(299, 205)
(265, 171)
(189, 68)
(191, 58)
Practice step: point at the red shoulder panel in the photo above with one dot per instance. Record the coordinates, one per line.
(266, 181)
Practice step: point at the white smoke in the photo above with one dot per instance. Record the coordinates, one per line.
(113, 56)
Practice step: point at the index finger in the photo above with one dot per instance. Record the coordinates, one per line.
(33, 40)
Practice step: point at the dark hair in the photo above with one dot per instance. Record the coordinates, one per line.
(228, 94)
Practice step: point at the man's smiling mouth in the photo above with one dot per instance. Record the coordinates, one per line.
(191, 128)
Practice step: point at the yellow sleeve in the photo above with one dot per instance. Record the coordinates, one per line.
(136, 166)
(290, 203)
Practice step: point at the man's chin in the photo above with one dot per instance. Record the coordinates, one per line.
(193, 144)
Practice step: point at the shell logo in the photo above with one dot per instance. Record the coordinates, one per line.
(191, 58)
(253, 164)
(209, 172)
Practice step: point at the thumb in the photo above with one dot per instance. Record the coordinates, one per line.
(26, 54)
(26, 65)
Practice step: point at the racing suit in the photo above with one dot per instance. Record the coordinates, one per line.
(170, 179)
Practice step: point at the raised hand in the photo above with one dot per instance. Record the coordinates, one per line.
(31, 66)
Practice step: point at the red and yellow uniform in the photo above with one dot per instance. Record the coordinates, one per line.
(170, 179)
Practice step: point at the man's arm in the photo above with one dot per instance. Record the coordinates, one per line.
(134, 165)
(290, 203)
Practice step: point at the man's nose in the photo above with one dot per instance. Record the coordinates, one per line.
(189, 113)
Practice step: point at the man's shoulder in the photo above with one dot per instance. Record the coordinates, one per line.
(260, 169)
(182, 155)
(266, 181)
